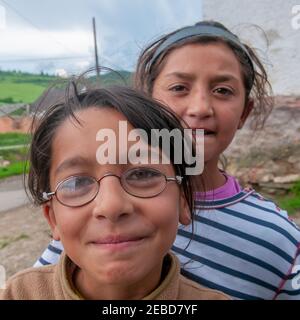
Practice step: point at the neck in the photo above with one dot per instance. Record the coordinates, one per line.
(211, 177)
(93, 289)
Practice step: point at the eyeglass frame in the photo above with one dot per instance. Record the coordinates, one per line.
(47, 196)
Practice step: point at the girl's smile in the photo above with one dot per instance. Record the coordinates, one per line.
(118, 243)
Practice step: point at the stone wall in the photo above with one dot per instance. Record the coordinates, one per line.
(265, 25)
(269, 158)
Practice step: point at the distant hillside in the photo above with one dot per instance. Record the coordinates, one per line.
(19, 87)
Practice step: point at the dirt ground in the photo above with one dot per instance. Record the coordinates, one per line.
(24, 234)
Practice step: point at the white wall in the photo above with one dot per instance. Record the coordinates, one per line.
(280, 25)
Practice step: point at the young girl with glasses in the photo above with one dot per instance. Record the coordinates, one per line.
(116, 221)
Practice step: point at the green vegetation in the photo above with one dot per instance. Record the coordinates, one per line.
(16, 156)
(18, 87)
(291, 202)
(13, 139)
(13, 169)
(20, 112)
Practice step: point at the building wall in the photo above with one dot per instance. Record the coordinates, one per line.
(279, 42)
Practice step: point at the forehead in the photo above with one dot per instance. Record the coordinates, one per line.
(73, 139)
(91, 120)
(76, 145)
(199, 57)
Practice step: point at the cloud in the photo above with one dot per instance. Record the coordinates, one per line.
(44, 44)
(64, 28)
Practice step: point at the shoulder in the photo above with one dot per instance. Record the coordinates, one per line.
(190, 290)
(262, 224)
(30, 284)
(262, 217)
(267, 210)
(265, 203)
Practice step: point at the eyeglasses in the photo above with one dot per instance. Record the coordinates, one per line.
(142, 182)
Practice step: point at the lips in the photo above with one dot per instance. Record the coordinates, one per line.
(118, 244)
(206, 131)
(117, 239)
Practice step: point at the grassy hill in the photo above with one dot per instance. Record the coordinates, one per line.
(18, 87)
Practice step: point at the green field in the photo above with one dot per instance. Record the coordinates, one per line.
(18, 87)
(13, 169)
(17, 156)
(13, 139)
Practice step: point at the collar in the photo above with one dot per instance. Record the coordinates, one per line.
(167, 289)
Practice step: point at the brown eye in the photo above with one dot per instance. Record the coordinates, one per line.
(178, 88)
(223, 91)
(144, 182)
(142, 175)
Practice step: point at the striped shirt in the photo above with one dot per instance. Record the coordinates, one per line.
(243, 245)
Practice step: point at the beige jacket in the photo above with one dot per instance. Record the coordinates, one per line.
(54, 283)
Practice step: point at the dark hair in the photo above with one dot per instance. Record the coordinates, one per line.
(255, 77)
(140, 110)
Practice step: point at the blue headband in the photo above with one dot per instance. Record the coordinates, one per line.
(200, 31)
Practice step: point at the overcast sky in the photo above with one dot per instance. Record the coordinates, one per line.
(33, 31)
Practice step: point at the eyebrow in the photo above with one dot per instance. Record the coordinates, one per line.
(182, 75)
(73, 162)
(225, 77)
(217, 78)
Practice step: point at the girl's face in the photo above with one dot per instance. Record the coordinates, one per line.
(204, 85)
(118, 241)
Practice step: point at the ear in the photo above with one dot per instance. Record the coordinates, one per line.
(247, 109)
(50, 217)
(185, 214)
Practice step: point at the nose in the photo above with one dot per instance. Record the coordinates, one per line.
(112, 201)
(199, 105)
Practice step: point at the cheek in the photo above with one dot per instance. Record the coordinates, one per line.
(165, 215)
(174, 103)
(228, 118)
(70, 222)
(163, 95)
